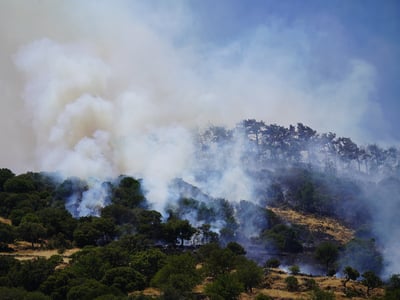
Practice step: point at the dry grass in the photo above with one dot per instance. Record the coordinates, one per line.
(5, 221)
(329, 226)
(277, 287)
(22, 251)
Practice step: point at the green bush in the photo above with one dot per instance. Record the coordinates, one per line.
(292, 283)
(272, 263)
(295, 269)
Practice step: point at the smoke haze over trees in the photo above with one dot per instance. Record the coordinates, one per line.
(137, 128)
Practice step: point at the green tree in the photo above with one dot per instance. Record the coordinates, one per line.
(285, 238)
(177, 230)
(87, 263)
(392, 291)
(224, 287)
(91, 289)
(5, 174)
(57, 220)
(236, 248)
(349, 273)
(295, 269)
(249, 273)
(219, 261)
(327, 253)
(371, 281)
(319, 294)
(12, 293)
(128, 193)
(18, 184)
(31, 232)
(272, 263)
(148, 262)
(125, 279)
(292, 283)
(7, 233)
(57, 285)
(31, 273)
(179, 274)
(94, 231)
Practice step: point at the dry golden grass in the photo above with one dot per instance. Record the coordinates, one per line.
(277, 287)
(5, 221)
(329, 226)
(22, 251)
(152, 292)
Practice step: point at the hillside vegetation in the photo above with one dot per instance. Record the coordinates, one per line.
(320, 205)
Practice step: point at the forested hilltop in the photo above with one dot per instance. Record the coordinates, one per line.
(318, 204)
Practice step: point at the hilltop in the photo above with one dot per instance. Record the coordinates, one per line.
(257, 194)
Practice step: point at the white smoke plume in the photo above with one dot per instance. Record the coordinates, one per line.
(102, 88)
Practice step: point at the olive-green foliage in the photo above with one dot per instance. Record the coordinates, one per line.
(176, 231)
(327, 253)
(178, 274)
(94, 231)
(249, 273)
(371, 281)
(272, 263)
(5, 174)
(125, 279)
(8, 293)
(295, 269)
(31, 273)
(350, 274)
(90, 289)
(236, 248)
(56, 221)
(285, 238)
(58, 284)
(310, 283)
(219, 261)
(319, 294)
(128, 193)
(225, 286)
(7, 233)
(148, 262)
(87, 263)
(292, 284)
(392, 291)
(19, 184)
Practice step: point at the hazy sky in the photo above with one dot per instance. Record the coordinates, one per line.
(334, 32)
(95, 81)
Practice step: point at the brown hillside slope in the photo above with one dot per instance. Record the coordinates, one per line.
(329, 226)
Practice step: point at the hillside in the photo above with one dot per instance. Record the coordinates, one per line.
(317, 224)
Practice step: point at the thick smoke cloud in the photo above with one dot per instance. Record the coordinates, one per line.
(101, 88)
(95, 89)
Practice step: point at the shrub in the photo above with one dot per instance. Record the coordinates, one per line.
(292, 283)
(319, 294)
(295, 269)
(272, 263)
(310, 284)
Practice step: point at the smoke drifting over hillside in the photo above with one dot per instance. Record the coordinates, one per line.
(102, 88)
(86, 81)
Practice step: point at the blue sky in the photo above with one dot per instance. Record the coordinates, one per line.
(343, 30)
